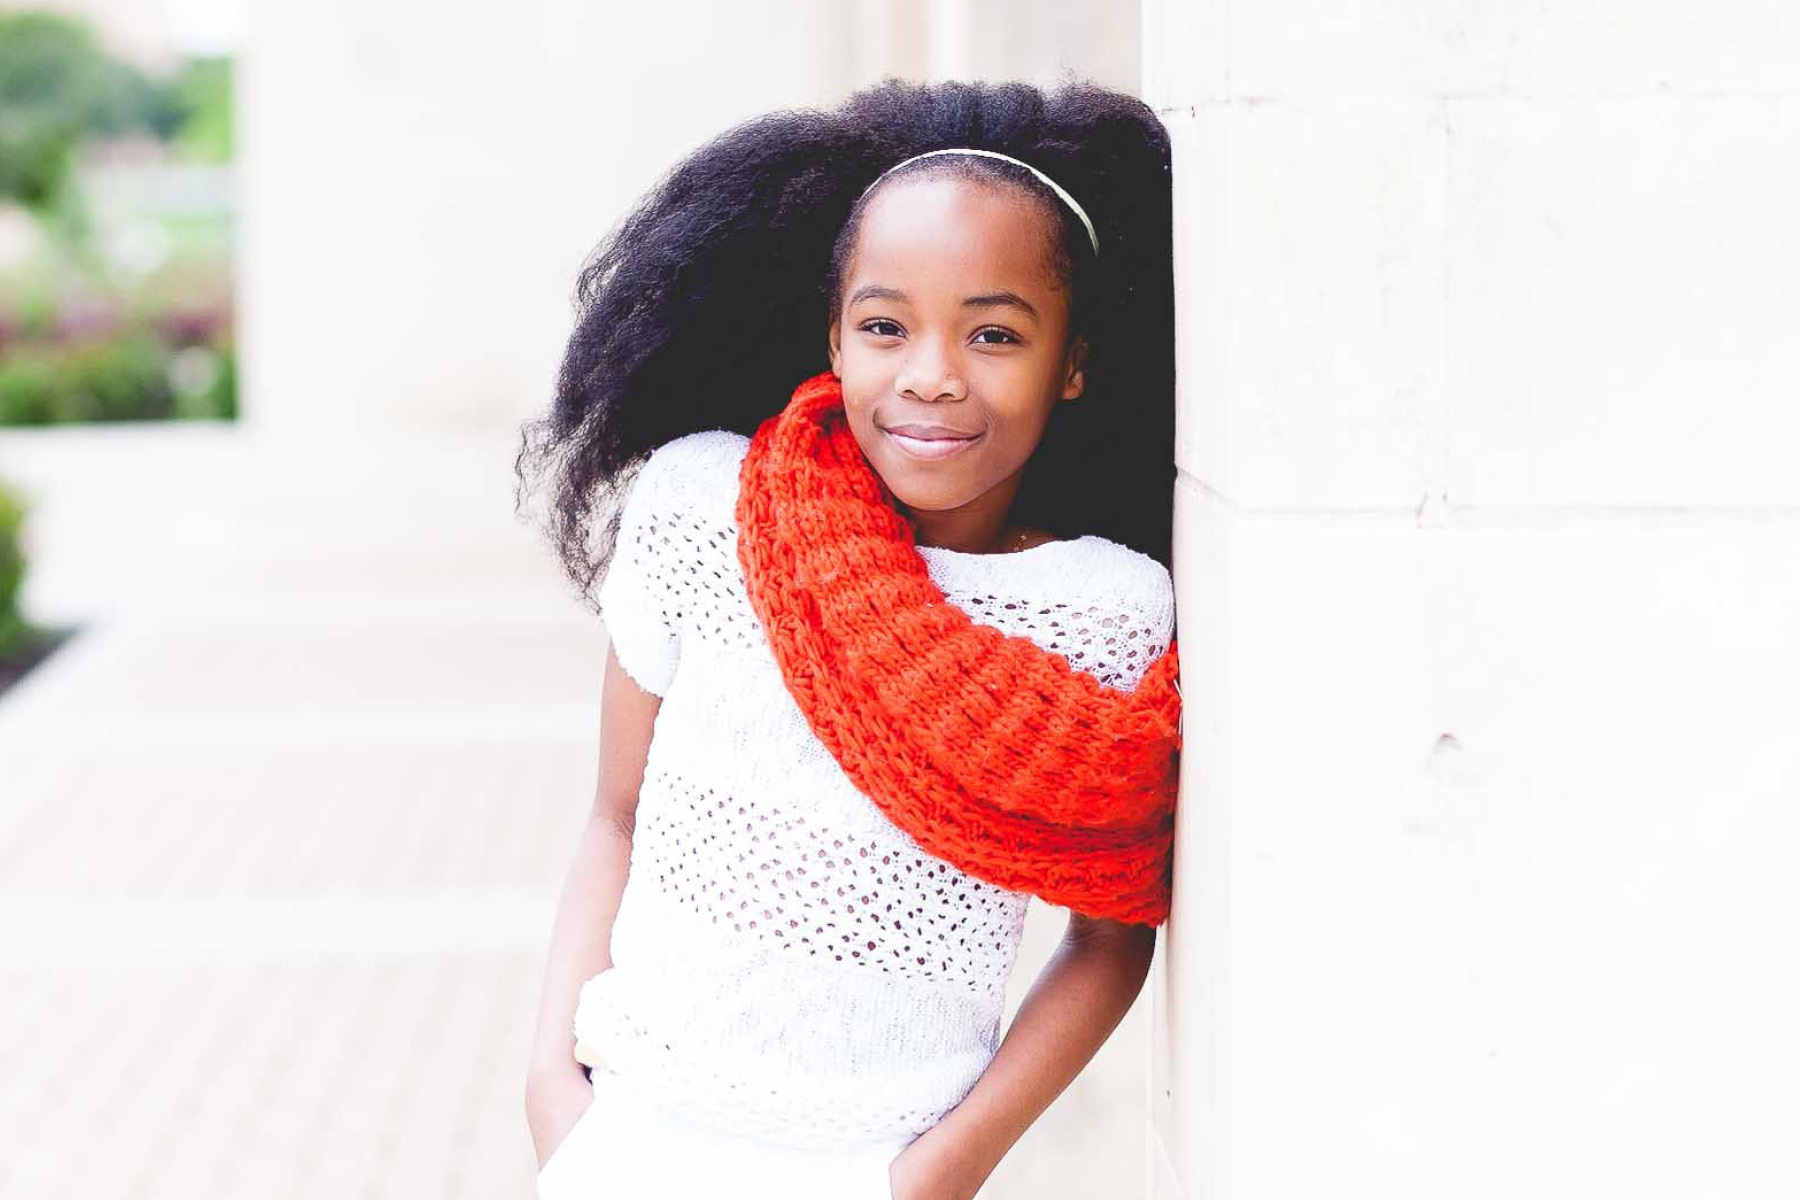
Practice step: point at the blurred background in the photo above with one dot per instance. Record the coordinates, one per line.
(298, 720)
(1487, 557)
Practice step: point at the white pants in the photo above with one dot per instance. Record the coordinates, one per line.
(627, 1148)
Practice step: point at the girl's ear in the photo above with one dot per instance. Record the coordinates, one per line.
(832, 339)
(1075, 377)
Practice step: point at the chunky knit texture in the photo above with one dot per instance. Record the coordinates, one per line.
(991, 752)
(786, 961)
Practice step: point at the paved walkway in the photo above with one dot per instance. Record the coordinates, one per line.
(281, 829)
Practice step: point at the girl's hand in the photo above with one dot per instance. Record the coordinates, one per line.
(552, 1106)
(926, 1171)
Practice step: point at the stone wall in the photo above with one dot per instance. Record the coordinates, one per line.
(1489, 567)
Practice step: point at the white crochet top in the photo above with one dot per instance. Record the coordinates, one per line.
(788, 963)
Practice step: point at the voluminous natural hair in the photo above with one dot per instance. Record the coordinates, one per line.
(708, 303)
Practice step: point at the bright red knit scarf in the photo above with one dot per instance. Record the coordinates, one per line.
(989, 751)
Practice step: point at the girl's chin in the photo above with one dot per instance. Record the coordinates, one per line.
(908, 489)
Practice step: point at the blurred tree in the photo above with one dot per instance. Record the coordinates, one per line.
(85, 335)
(57, 86)
(15, 632)
(202, 103)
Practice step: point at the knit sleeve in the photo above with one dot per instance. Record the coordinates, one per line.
(634, 597)
(1143, 629)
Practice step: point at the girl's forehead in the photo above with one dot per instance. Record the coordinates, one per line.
(935, 224)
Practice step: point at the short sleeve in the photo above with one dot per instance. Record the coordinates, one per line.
(1133, 641)
(634, 597)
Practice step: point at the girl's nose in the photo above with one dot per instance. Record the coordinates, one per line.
(930, 374)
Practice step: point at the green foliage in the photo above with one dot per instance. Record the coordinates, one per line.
(58, 86)
(205, 382)
(81, 337)
(119, 380)
(202, 100)
(29, 382)
(15, 633)
(126, 378)
(31, 311)
(219, 400)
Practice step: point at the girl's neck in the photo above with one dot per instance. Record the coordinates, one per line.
(1007, 538)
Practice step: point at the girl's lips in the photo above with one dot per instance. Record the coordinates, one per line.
(931, 448)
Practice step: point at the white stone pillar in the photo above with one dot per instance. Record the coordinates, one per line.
(1489, 570)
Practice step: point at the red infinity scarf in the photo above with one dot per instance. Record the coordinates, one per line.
(989, 751)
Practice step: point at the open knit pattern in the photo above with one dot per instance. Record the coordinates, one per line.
(989, 751)
(786, 962)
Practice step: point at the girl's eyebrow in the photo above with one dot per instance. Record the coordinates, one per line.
(998, 299)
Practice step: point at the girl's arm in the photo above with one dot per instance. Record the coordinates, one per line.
(581, 939)
(1077, 1001)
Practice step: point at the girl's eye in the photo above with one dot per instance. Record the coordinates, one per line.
(892, 329)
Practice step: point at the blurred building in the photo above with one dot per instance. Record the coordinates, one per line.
(157, 34)
(418, 194)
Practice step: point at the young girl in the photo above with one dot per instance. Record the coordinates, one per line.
(891, 644)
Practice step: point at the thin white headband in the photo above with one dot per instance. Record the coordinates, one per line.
(1048, 182)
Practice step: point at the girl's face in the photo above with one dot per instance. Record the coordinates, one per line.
(950, 346)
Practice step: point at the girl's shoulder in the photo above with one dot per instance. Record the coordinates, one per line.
(694, 473)
(1121, 570)
(1090, 570)
(1105, 607)
(695, 458)
(1110, 572)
